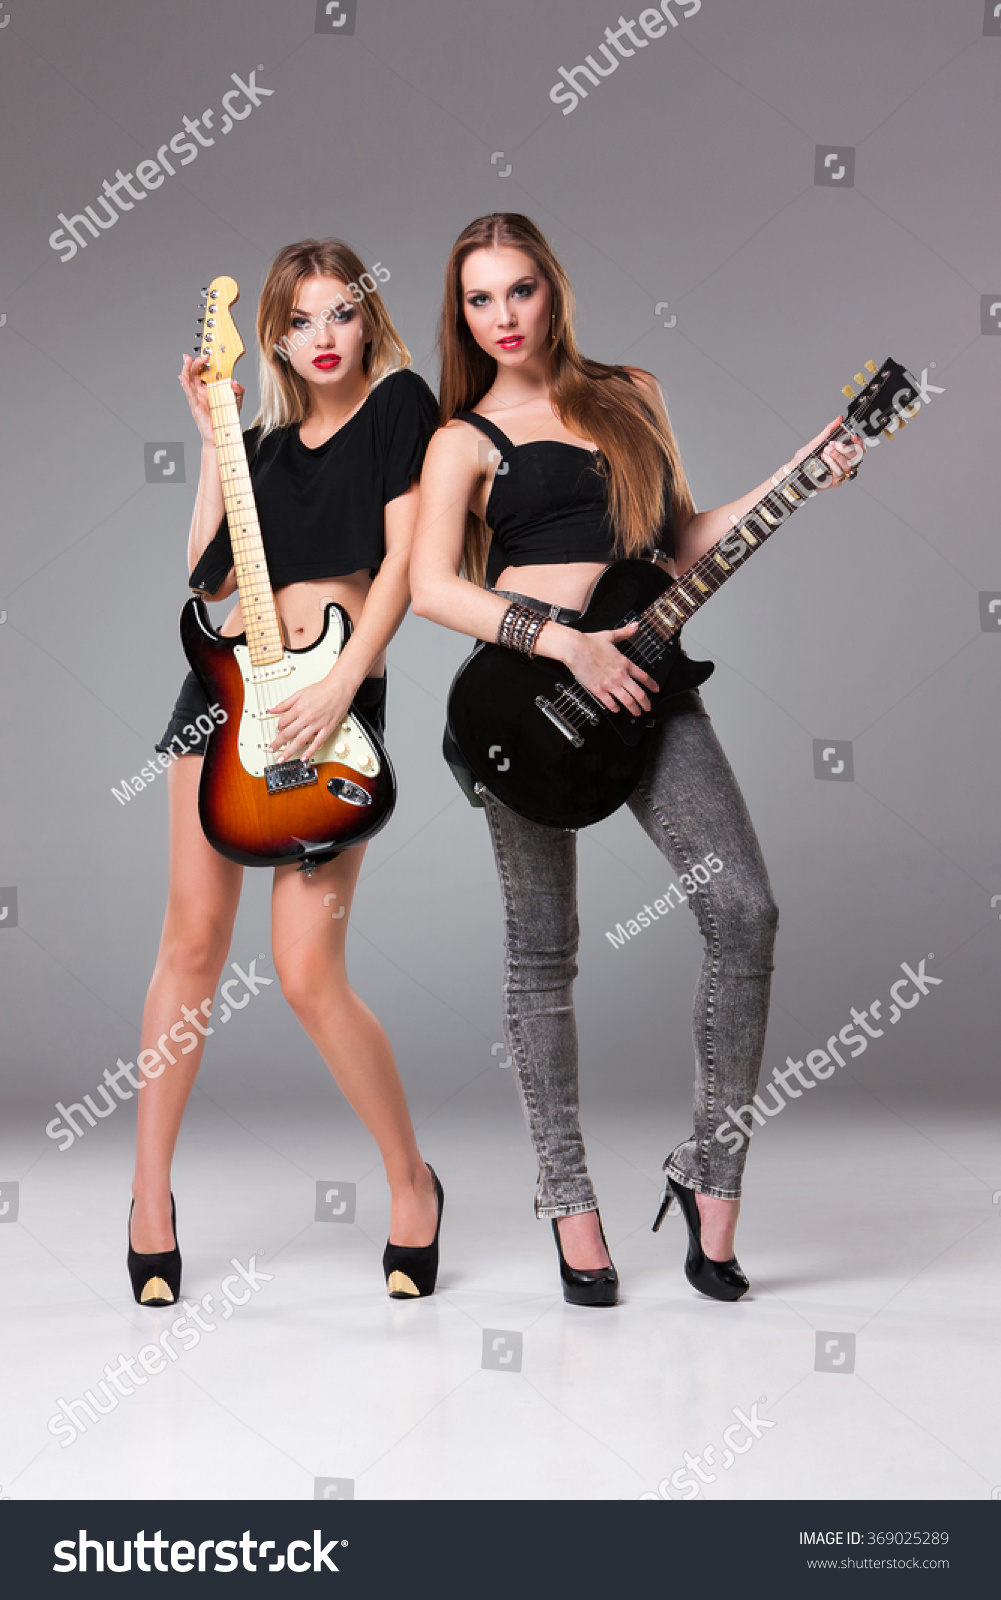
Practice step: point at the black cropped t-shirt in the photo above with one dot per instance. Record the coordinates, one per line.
(549, 504)
(321, 510)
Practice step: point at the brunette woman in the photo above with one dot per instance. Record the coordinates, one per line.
(335, 455)
(548, 466)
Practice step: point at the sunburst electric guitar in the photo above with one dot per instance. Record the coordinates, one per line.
(542, 743)
(256, 807)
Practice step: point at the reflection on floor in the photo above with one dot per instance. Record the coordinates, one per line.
(863, 1363)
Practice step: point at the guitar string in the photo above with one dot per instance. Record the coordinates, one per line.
(650, 639)
(657, 631)
(243, 544)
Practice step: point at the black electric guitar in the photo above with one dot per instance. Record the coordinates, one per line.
(546, 747)
(254, 806)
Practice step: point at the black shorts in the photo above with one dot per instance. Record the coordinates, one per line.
(187, 738)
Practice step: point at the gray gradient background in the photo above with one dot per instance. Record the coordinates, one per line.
(688, 177)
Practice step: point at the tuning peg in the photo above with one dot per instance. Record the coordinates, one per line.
(848, 392)
(860, 380)
(870, 366)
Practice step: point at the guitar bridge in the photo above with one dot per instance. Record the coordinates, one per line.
(549, 710)
(294, 774)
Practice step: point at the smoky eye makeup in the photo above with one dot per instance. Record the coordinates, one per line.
(338, 314)
(523, 290)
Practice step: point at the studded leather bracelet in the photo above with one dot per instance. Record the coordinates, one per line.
(520, 627)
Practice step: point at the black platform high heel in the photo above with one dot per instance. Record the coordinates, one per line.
(599, 1287)
(412, 1270)
(721, 1280)
(156, 1278)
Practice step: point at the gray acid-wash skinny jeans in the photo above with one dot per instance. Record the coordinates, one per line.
(688, 802)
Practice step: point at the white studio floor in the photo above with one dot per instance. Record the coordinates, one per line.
(885, 1231)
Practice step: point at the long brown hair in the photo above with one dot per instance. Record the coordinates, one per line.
(284, 394)
(592, 399)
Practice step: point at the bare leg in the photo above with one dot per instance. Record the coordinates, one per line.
(308, 940)
(201, 907)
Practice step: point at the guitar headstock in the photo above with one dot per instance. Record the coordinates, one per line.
(884, 404)
(219, 339)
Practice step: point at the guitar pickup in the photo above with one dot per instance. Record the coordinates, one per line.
(293, 774)
(549, 710)
(575, 693)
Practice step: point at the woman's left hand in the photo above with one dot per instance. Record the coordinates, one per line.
(842, 459)
(308, 718)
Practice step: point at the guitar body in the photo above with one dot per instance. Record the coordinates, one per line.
(269, 815)
(528, 760)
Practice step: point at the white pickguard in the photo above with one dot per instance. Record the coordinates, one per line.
(270, 685)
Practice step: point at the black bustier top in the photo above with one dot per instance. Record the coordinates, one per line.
(549, 504)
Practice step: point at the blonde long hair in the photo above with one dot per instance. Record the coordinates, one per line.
(592, 399)
(284, 394)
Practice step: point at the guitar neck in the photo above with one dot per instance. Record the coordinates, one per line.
(260, 614)
(687, 594)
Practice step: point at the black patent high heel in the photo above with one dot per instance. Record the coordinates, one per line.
(156, 1277)
(597, 1288)
(412, 1270)
(721, 1280)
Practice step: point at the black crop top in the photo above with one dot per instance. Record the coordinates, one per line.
(321, 510)
(549, 503)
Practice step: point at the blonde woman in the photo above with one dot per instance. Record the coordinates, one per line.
(335, 454)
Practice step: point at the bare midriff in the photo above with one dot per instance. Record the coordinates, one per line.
(566, 583)
(301, 609)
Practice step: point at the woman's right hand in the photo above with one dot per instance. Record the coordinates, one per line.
(198, 395)
(601, 668)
